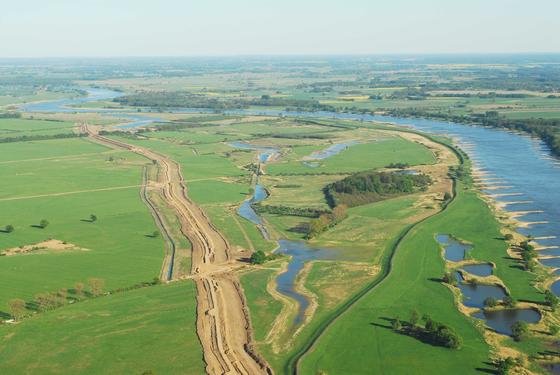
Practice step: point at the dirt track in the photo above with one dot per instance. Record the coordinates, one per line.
(223, 323)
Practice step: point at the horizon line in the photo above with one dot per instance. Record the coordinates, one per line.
(356, 54)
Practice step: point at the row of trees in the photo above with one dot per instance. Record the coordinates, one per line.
(327, 220)
(26, 138)
(289, 211)
(51, 300)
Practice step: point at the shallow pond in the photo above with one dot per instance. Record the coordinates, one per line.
(502, 320)
(455, 251)
(265, 152)
(552, 368)
(475, 294)
(555, 287)
(482, 269)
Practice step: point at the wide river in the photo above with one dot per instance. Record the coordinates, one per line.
(526, 176)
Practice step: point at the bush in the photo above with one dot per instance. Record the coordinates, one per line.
(258, 257)
(490, 302)
(519, 330)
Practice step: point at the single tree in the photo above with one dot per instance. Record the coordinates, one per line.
(9, 228)
(396, 324)
(258, 257)
(509, 302)
(43, 223)
(92, 218)
(449, 279)
(553, 329)
(429, 324)
(519, 330)
(490, 302)
(17, 308)
(79, 289)
(63, 294)
(42, 301)
(447, 196)
(551, 300)
(505, 365)
(508, 237)
(96, 286)
(155, 234)
(414, 318)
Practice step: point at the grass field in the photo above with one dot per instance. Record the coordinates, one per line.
(12, 128)
(76, 180)
(361, 157)
(149, 329)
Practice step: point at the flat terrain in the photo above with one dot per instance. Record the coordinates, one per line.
(117, 334)
(64, 182)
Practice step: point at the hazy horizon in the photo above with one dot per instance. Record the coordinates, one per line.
(173, 28)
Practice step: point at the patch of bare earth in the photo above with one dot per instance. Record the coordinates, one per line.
(41, 247)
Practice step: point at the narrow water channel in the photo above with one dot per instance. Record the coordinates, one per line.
(298, 251)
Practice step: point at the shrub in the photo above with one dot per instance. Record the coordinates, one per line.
(258, 257)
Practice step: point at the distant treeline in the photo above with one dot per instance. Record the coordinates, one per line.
(289, 211)
(546, 129)
(182, 99)
(10, 115)
(366, 187)
(27, 138)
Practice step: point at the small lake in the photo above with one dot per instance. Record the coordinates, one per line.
(502, 320)
(455, 251)
(474, 295)
(482, 269)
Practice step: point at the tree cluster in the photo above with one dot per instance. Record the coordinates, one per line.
(366, 187)
(433, 332)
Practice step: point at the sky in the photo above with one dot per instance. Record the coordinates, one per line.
(103, 28)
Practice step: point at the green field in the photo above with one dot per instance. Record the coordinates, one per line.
(75, 179)
(13, 128)
(149, 329)
(361, 157)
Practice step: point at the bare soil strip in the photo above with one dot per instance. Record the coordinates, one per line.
(223, 323)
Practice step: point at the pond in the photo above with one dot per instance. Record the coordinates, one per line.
(481, 269)
(502, 320)
(455, 251)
